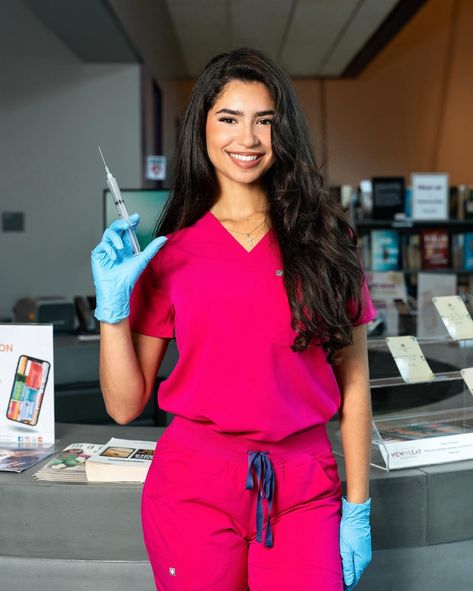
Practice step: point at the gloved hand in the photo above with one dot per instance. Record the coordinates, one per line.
(115, 269)
(355, 541)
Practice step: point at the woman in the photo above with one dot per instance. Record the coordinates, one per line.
(260, 280)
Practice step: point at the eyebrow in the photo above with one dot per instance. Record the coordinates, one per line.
(232, 112)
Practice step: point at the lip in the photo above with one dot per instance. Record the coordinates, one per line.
(241, 163)
(245, 153)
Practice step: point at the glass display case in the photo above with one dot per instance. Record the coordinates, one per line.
(423, 423)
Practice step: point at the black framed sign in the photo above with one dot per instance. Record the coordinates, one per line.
(389, 196)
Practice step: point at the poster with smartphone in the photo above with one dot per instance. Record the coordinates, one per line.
(26, 384)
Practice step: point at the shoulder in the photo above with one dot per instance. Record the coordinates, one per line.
(180, 243)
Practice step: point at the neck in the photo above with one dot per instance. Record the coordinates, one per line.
(240, 201)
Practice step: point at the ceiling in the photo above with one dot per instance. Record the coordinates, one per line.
(308, 38)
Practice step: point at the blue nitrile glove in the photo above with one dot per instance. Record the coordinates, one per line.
(355, 540)
(116, 269)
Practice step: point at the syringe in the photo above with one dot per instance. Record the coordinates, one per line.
(120, 205)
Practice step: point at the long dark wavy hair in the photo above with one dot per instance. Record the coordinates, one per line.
(317, 239)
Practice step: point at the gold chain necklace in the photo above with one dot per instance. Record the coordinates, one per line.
(248, 234)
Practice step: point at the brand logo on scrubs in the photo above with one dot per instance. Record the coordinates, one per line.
(279, 272)
(172, 571)
(6, 348)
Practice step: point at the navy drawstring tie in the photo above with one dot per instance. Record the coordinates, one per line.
(263, 468)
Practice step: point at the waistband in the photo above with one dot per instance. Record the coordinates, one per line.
(200, 434)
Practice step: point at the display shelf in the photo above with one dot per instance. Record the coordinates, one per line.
(398, 381)
(409, 224)
(420, 423)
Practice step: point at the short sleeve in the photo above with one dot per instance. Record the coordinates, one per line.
(368, 311)
(151, 309)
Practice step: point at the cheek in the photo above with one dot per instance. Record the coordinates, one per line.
(217, 135)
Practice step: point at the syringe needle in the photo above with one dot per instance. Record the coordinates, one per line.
(106, 167)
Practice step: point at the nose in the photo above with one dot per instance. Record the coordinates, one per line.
(247, 136)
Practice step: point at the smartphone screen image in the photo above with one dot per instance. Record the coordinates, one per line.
(27, 393)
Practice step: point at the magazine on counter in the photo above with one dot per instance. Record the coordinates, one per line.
(121, 460)
(420, 431)
(17, 458)
(69, 464)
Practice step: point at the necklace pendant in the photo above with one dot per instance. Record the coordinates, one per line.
(250, 240)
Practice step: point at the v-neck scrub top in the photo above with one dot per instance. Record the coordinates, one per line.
(231, 318)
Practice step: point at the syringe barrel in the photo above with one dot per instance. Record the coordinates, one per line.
(134, 241)
(122, 211)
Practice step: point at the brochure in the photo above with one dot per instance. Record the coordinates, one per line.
(409, 359)
(20, 458)
(121, 460)
(69, 464)
(455, 316)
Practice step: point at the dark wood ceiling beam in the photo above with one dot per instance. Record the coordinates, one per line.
(399, 16)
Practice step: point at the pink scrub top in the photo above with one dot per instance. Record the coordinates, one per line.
(230, 315)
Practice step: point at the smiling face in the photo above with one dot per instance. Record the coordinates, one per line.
(238, 132)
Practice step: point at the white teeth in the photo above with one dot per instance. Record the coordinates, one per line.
(244, 158)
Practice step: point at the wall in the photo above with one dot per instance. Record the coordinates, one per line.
(411, 109)
(54, 110)
(150, 28)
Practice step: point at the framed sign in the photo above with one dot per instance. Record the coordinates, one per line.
(429, 196)
(388, 197)
(156, 168)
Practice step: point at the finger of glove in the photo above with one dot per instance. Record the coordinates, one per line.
(135, 219)
(360, 562)
(152, 249)
(348, 568)
(104, 248)
(112, 237)
(120, 226)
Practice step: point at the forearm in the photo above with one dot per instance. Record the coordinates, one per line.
(121, 378)
(355, 427)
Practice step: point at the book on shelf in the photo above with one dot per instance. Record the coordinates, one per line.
(365, 250)
(385, 250)
(455, 205)
(468, 201)
(120, 460)
(435, 249)
(411, 255)
(467, 262)
(457, 250)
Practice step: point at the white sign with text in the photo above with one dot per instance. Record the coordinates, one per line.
(26, 384)
(429, 196)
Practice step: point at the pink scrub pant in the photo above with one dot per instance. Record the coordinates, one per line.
(206, 502)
